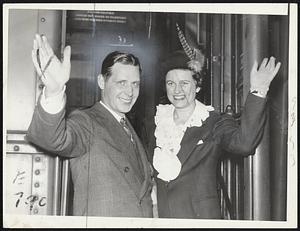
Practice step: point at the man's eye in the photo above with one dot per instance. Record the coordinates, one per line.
(185, 82)
(122, 83)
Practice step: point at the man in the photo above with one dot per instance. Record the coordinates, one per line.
(110, 171)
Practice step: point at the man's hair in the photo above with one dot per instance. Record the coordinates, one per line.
(118, 57)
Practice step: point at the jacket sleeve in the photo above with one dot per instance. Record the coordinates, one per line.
(244, 138)
(54, 133)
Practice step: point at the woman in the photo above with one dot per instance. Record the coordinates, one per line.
(190, 137)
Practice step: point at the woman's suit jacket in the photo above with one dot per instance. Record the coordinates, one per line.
(193, 194)
(109, 177)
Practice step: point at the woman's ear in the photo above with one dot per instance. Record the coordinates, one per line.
(198, 89)
(101, 81)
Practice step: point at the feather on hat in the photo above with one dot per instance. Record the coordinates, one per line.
(188, 58)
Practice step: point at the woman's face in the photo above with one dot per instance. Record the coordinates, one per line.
(181, 88)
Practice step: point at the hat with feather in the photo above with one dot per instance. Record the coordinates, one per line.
(187, 58)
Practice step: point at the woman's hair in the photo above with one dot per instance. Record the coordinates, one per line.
(118, 57)
(179, 60)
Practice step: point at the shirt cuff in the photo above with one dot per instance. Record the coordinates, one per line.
(259, 95)
(53, 104)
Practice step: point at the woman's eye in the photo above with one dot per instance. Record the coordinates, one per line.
(136, 84)
(169, 83)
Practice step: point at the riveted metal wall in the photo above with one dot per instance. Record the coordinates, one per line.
(32, 176)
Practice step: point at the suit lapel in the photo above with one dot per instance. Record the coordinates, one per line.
(192, 136)
(144, 161)
(119, 140)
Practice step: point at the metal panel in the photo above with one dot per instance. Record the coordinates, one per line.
(29, 172)
(30, 178)
(18, 180)
(21, 79)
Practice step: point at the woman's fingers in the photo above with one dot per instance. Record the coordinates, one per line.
(271, 64)
(276, 68)
(263, 63)
(254, 67)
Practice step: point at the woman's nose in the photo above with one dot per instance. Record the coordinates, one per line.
(178, 88)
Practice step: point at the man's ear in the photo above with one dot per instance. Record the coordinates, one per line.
(101, 81)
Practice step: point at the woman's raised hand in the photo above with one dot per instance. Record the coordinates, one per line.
(54, 73)
(261, 78)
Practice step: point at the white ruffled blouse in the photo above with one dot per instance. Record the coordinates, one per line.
(169, 135)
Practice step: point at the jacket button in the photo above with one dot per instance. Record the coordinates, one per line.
(126, 169)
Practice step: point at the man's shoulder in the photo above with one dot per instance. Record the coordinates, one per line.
(86, 109)
(83, 112)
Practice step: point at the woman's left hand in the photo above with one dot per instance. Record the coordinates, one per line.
(261, 79)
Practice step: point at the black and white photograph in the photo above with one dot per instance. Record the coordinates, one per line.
(150, 115)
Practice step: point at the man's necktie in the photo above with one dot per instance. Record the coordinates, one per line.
(126, 128)
(124, 124)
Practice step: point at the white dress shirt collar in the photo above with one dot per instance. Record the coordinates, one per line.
(116, 115)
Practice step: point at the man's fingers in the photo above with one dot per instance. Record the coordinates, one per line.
(67, 55)
(35, 62)
(48, 49)
(43, 57)
(38, 41)
(35, 45)
(42, 50)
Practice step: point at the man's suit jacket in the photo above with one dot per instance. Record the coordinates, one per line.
(193, 194)
(109, 178)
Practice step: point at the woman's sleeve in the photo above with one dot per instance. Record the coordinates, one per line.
(244, 138)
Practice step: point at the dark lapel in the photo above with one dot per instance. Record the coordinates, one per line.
(119, 140)
(193, 135)
(144, 161)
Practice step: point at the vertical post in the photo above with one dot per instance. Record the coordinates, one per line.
(278, 100)
(237, 98)
(65, 163)
(215, 61)
(227, 95)
(65, 187)
(257, 186)
(56, 186)
(49, 24)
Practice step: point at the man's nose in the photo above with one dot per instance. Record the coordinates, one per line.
(129, 90)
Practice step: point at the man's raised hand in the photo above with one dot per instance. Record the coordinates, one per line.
(54, 73)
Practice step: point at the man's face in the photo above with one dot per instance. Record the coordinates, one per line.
(181, 88)
(121, 89)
